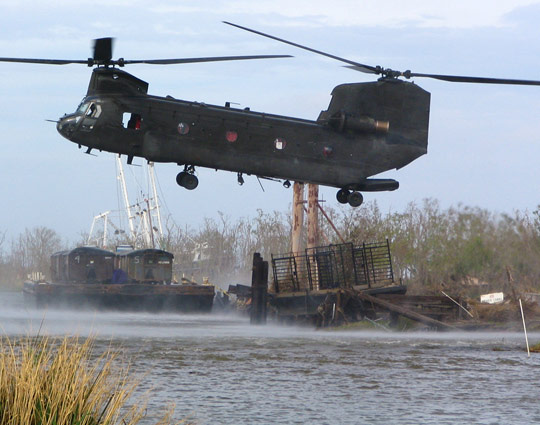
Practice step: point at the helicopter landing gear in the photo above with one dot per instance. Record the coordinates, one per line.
(240, 179)
(343, 196)
(354, 199)
(187, 179)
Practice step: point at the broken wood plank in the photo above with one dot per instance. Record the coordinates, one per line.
(403, 311)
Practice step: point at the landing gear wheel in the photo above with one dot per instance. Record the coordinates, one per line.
(189, 181)
(179, 178)
(355, 199)
(343, 196)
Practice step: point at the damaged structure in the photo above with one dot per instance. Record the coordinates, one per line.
(342, 283)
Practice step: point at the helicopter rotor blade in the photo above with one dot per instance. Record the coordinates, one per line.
(390, 73)
(478, 80)
(45, 61)
(102, 56)
(202, 59)
(103, 53)
(103, 49)
(358, 66)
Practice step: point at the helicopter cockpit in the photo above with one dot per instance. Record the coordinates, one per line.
(84, 119)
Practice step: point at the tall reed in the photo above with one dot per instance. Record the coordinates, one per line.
(61, 382)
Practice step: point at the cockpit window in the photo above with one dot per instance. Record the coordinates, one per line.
(82, 108)
(91, 112)
(90, 109)
(94, 111)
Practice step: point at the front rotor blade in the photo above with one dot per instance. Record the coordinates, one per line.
(479, 80)
(44, 61)
(359, 66)
(197, 60)
(103, 49)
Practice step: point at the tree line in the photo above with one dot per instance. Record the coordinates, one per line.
(461, 249)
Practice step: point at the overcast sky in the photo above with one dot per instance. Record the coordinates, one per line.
(484, 141)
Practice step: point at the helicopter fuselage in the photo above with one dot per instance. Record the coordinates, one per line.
(350, 142)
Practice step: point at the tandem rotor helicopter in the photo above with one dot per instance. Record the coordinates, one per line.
(367, 129)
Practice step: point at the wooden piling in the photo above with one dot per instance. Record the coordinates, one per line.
(313, 227)
(259, 290)
(313, 216)
(298, 218)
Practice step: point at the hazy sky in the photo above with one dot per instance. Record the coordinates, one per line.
(484, 141)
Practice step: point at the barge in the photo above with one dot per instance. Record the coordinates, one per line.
(336, 284)
(137, 280)
(305, 282)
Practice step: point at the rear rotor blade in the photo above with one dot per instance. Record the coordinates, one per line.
(358, 66)
(479, 80)
(390, 73)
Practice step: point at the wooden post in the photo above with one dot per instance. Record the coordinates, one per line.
(313, 216)
(298, 218)
(259, 290)
(313, 228)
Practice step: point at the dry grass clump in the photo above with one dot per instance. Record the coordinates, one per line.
(60, 382)
(504, 312)
(508, 311)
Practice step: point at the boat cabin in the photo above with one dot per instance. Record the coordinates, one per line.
(82, 265)
(146, 265)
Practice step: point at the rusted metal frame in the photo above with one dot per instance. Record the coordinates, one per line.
(390, 259)
(274, 272)
(366, 265)
(296, 283)
(324, 263)
(308, 268)
(372, 266)
(342, 279)
(355, 272)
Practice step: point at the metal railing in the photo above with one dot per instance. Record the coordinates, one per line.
(334, 266)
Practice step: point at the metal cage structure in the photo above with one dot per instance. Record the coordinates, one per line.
(334, 266)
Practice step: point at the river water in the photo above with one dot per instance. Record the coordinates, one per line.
(218, 369)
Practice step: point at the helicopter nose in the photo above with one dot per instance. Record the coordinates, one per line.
(67, 125)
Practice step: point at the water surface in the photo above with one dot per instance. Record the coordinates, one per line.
(218, 369)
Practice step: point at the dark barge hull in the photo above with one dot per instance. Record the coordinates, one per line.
(306, 303)
(122, 297)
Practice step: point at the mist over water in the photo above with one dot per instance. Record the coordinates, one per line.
(218, 369)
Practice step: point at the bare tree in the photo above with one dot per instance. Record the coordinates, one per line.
(32, 251)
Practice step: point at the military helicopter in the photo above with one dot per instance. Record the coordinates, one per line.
(367, 129)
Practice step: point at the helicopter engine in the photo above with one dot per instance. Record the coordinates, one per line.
(395, 109)
(344, 122)
(391, 115)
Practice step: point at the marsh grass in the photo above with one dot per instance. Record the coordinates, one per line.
(61, 382)
(535, 348)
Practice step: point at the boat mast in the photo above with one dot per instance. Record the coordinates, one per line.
(156, 200)
(131, 217)
(105, 217)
